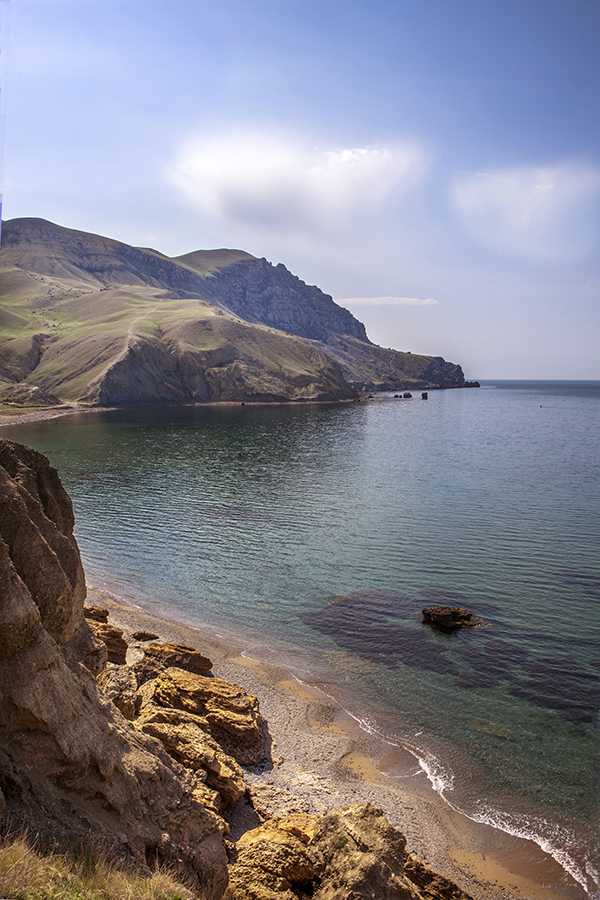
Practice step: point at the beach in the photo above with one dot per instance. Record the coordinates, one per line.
(320, 758)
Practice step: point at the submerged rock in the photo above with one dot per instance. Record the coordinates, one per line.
(450, 617)
(378, 626)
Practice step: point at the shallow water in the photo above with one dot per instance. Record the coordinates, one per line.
(319, 533)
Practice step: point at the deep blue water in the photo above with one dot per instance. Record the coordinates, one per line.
(252, 521)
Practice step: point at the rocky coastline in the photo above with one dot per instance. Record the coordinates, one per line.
(123, 731)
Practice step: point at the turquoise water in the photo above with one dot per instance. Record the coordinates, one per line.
(251, 521)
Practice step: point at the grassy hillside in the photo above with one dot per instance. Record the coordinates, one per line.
(75, 874)
(86, 319)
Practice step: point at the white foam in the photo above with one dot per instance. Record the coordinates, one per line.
(442, 782)
(441, 779)
(526, 829)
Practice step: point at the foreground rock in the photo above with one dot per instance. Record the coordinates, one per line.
(41, 565)
(158, 657)
(231, 715)
(351, 852)
(116, 646)
(208, 725)
(70, 765)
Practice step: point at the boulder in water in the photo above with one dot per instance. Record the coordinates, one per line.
(450, 617)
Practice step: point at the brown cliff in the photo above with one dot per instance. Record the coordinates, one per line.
(70, 764)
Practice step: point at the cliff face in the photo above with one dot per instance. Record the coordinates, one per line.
(42, 577)
(167, 370)
(371, 368)
(260, 292)
(84, 318)
(70, 765)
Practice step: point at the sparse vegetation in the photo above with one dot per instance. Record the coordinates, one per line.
(28, 874)
(87, 319)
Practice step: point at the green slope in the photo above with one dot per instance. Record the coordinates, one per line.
(86, 319)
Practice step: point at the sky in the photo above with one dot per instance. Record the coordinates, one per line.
(434, 165)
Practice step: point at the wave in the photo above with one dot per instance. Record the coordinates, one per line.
(551, 837)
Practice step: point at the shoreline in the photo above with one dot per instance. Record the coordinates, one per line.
(29, 416)
(323, 758)
(38, 415)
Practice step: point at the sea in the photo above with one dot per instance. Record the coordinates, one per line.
(314, 535)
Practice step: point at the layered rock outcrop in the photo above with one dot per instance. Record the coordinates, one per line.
(70, 764)
(351, 852)
(210, 726)
(116, 646)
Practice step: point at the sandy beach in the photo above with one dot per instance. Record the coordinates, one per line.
(10, 417)
(321, 758)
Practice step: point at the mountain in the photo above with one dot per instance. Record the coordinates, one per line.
(88, 319)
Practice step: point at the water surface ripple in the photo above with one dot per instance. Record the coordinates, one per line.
(319, 532)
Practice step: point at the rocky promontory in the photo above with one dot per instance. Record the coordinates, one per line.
(88, 320)
(146, 758)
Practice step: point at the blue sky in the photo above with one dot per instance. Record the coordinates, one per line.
(432, 164)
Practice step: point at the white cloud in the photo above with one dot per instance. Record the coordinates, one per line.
(387, 301)
(546, 213)
(254, 180)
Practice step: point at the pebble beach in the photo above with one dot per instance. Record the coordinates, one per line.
(320, 758)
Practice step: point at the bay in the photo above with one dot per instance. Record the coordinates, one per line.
(316, 533)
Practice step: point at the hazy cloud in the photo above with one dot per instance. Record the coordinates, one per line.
(542, 213)
(387, 301)
(255, 180)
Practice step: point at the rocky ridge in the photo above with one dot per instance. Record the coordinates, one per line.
(147, 758)
(260, 292)
(71, 766)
